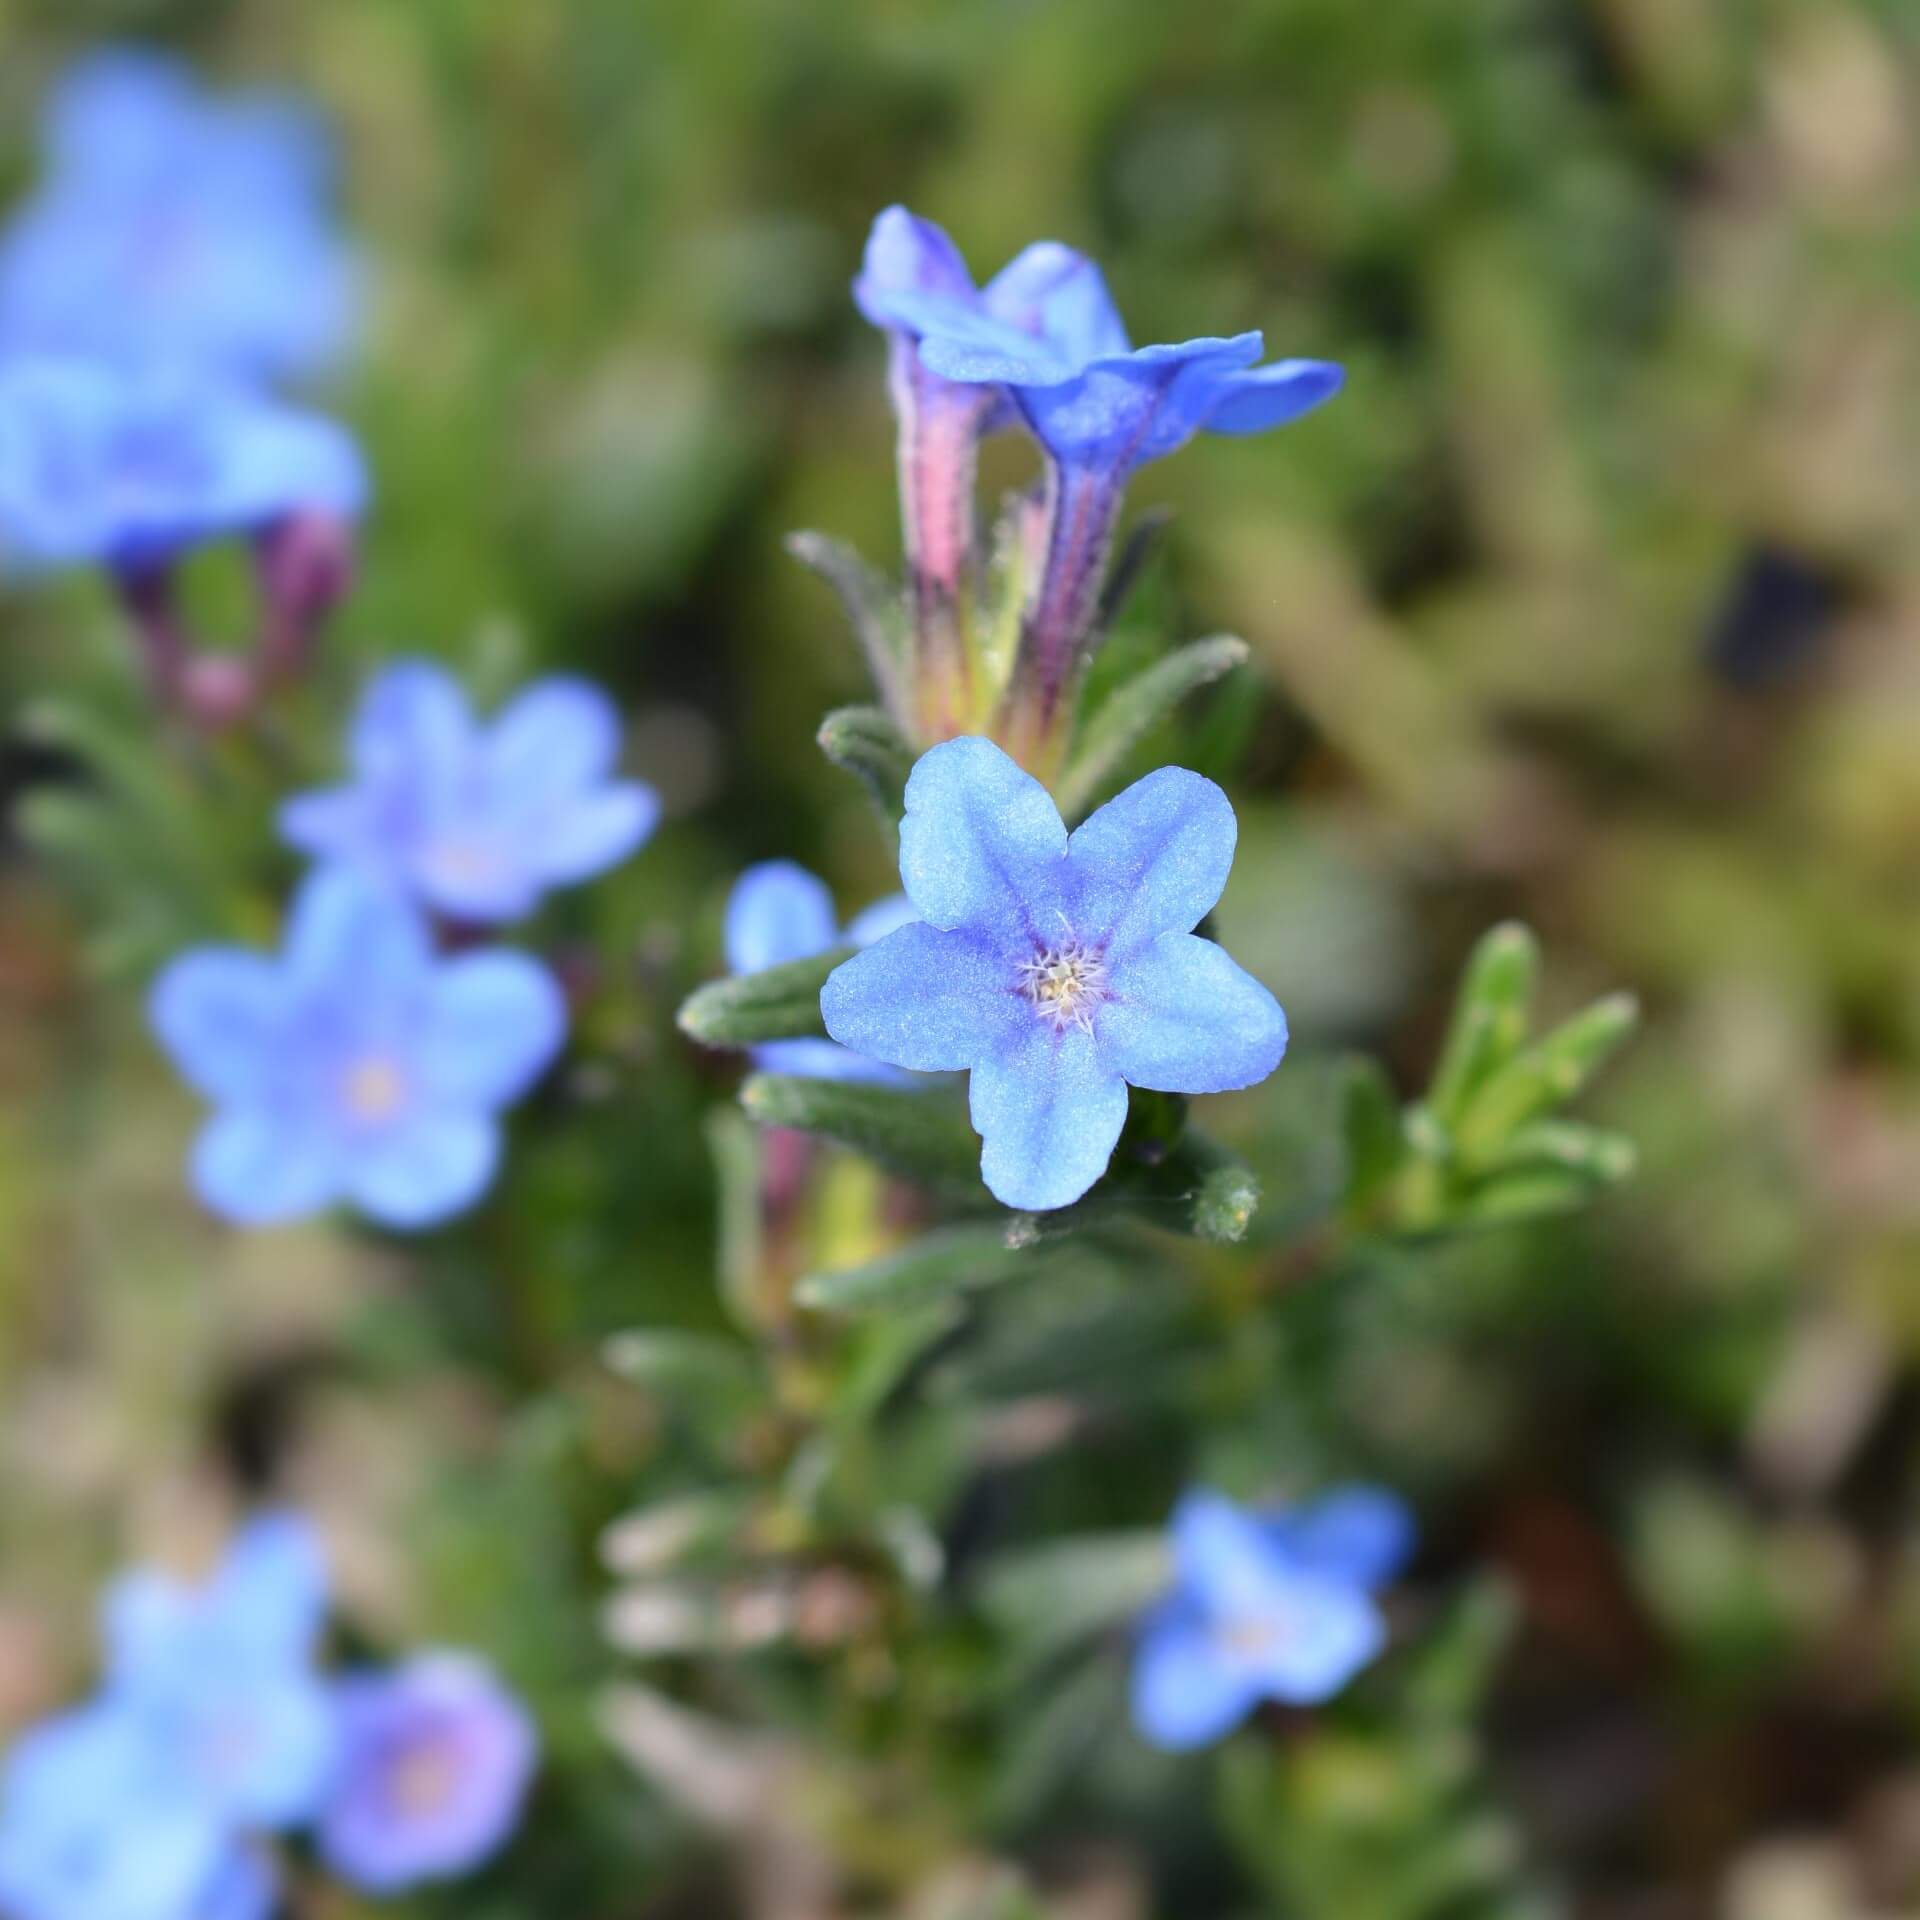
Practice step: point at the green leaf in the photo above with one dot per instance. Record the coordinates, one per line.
(1197, 1187)
(1141, 543)
(1545, 1076)
(1371, 1129)
(1131, 709)
(873, 606)
(869, 744)
(1489, 1017)
(924, 1136)
(1592, 1152)
(689, 1368)
(1043, 1599)
(778, 1003)
(937, 1266)
(1510, 1197)
(735, 1146)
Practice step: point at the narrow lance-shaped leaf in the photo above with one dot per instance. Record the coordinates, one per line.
(869, 744)
(1489, 1017)
(778, 1003)
(1132, 708)
(937, 1266)
(1370, 1129)
(872, 605)
(922, 1135)
(1545, 1076)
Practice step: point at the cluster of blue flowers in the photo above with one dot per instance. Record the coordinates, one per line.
(216, 1728)
(178, 260)
(362, 1064)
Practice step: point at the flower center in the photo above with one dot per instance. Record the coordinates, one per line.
(1247, 1636)
(1065, 982)
(374, 1089)
(423, 1778)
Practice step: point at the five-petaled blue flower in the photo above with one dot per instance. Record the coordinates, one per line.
(436, 1757)
(128, 467)
(357, 1066)
(172, 227)
(1264, 1607)
(777, 912)
(1049, 335)
(1057, 969)
(478, 820)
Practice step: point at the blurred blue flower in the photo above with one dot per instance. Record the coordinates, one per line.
(435, 1762)
(478, 820)
(777, 912)
(1058, 970)
(219, 1679)
(1264, 1607)
(174, 227)
(127, 468)
(96, 1823)
(356, 1066)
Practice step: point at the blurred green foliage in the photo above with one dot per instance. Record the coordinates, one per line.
(1592, 603)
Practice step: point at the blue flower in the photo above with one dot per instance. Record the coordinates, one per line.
(1057, 969)
(779, 912)
(1273, 1607)
(219, 1681)
(96, 1823)
(128, 468)
(1056, 344)
(478, 821)
(173, 227)
(436, 1758)
(356, 1066)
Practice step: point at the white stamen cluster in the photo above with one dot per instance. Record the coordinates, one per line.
(1065, 983)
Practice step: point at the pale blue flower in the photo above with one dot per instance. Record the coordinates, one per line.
(128, 468)
(171, 226)
(478, 819)
(356, 1066)
(1057, 969)
(1264, 1607)
(777, 912)
(436, 1758)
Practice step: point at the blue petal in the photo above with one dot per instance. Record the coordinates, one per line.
(1222, 1556)
(597, 831)
(1322, 1633)
(272, 1586)
(258, 1169)
(1272, 396)
(820, 1060)
(1186, 1018)
(906, 254)
(882, 918)
(1184, 1694)
(981, 845)
(555, 740)
(1060, 295)
(491, 1024)
(220, 1013)
(976, 349)
(333, 823)
(1048, 1107)
(350, 933)
(425, 1170)
(414, 730)
(277, 460)
(920, 998)
(1125, 410)
(1152, 860)
(777, 912)
(245, 1887)
(1363, 1535)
